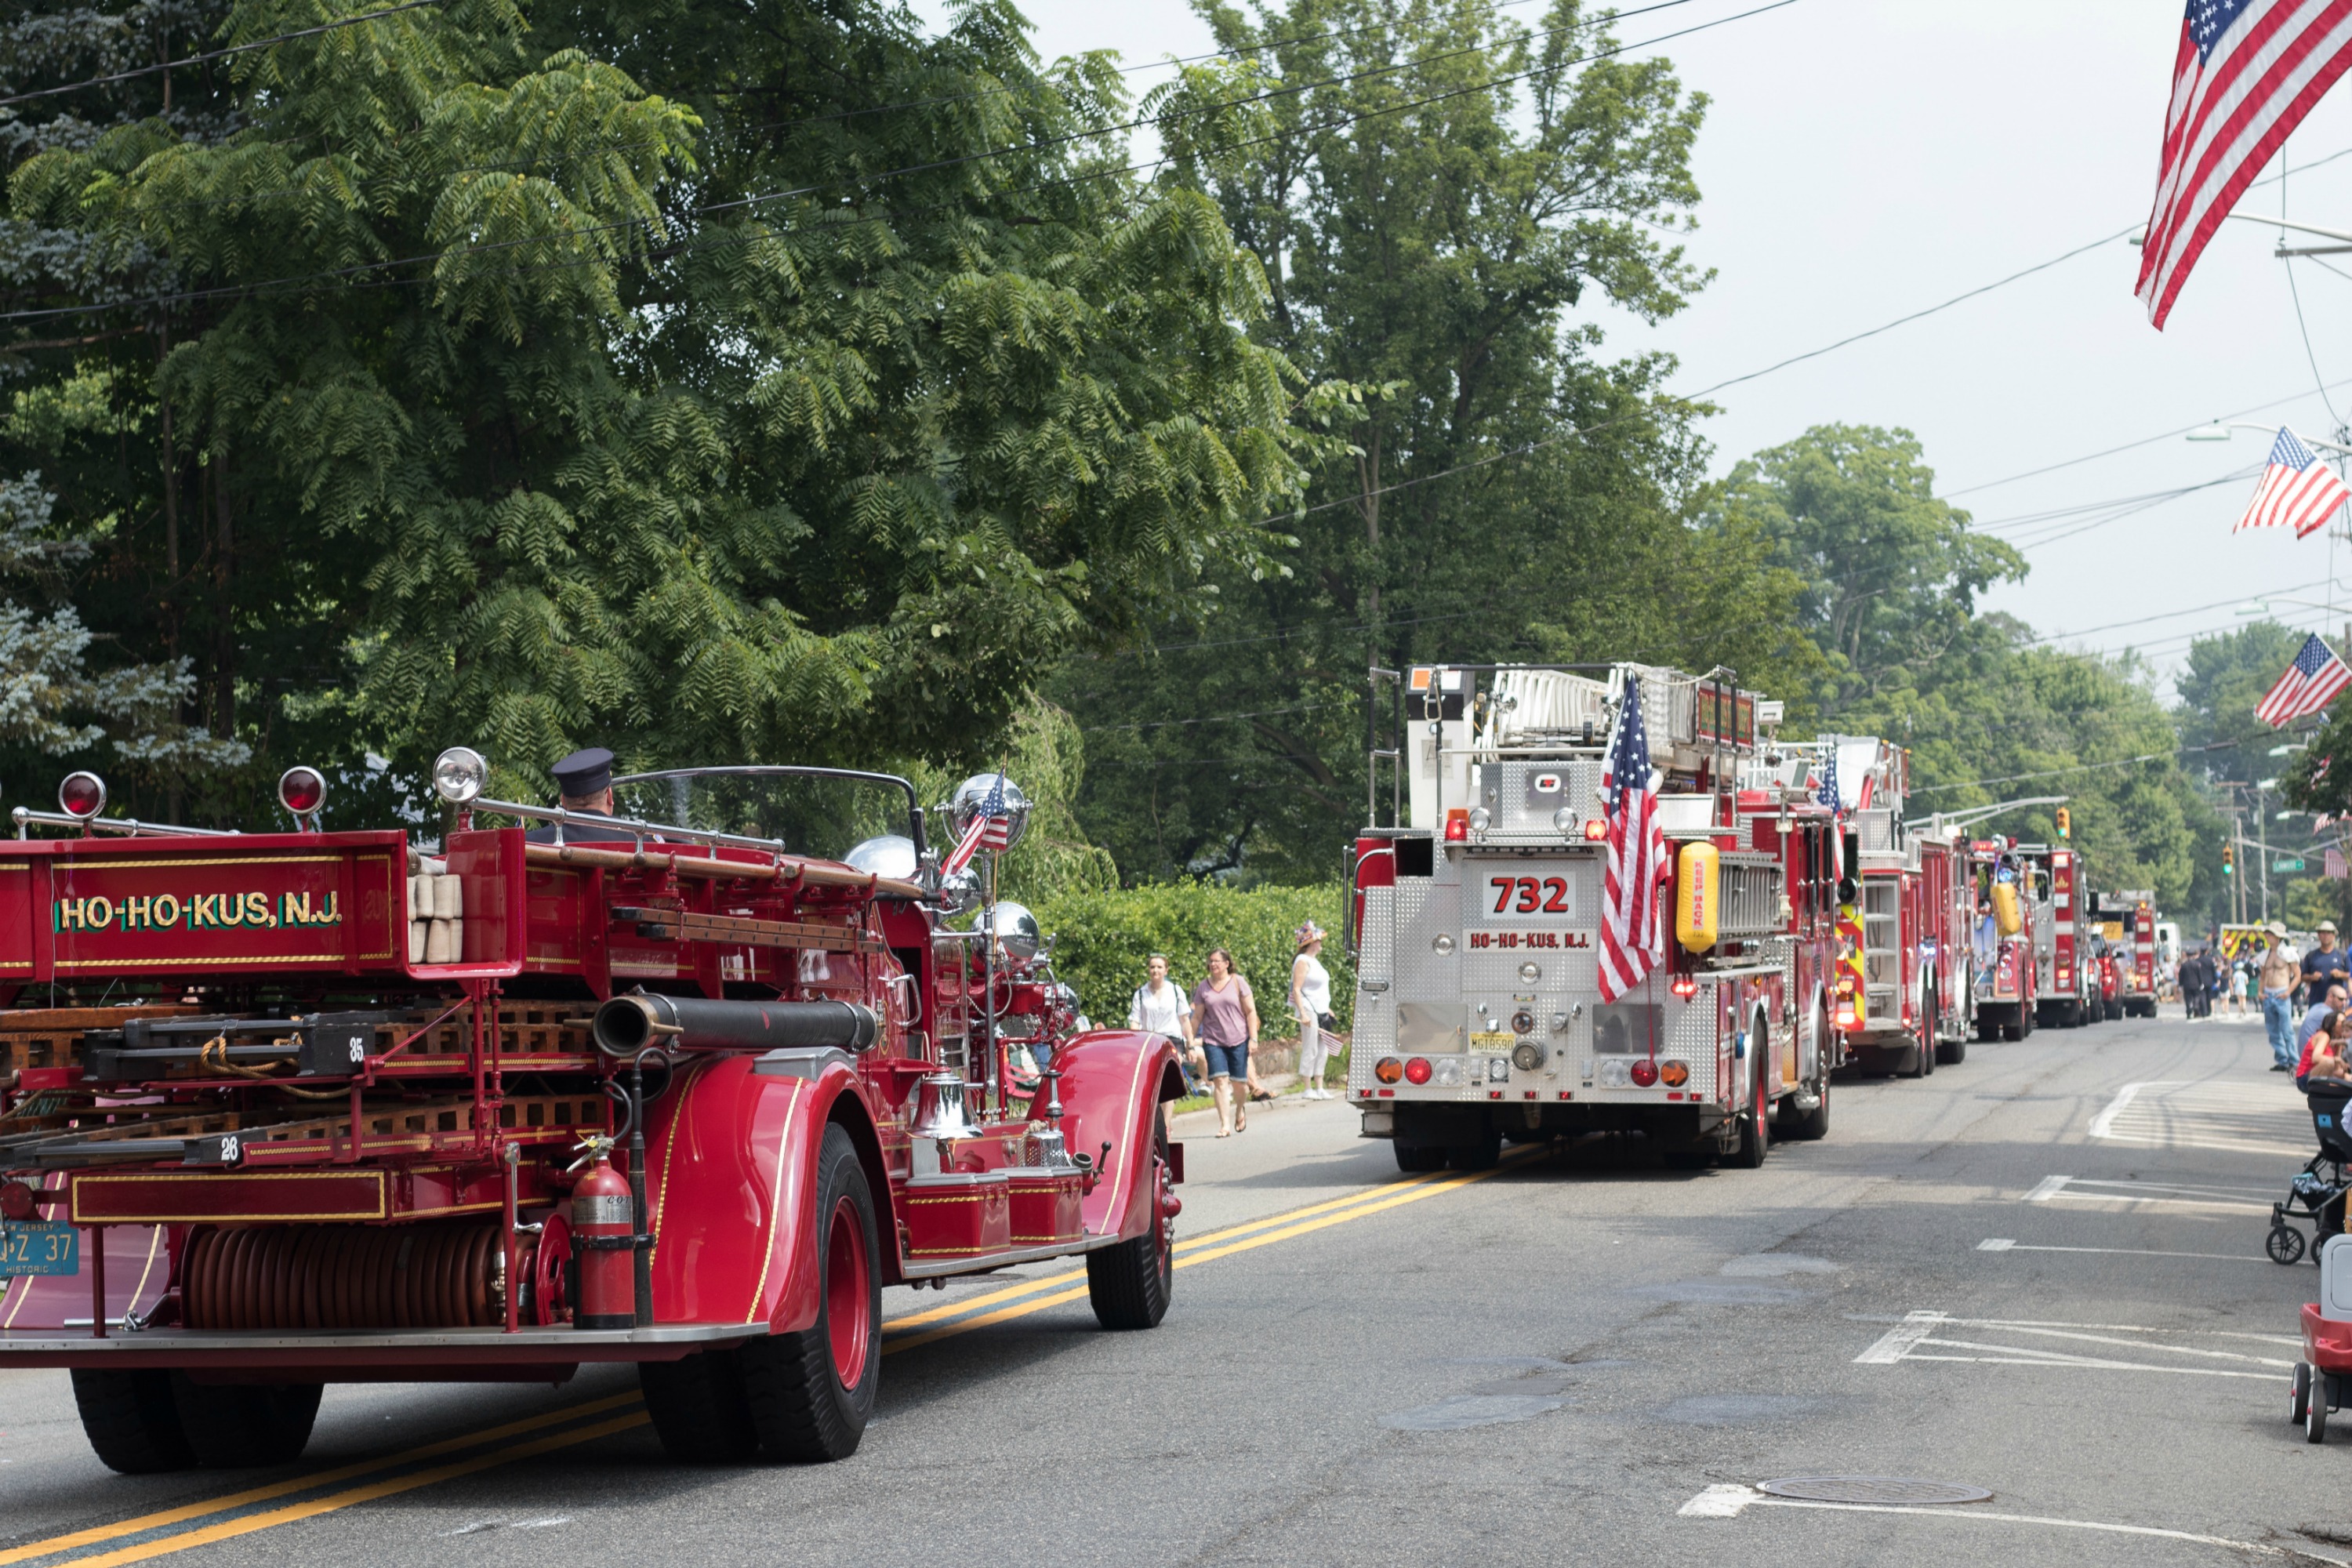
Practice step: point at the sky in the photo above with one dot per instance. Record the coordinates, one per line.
(1862, 159)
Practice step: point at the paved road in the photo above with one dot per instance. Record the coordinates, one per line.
(2039, 1272)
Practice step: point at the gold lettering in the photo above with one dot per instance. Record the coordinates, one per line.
(165, 912)
(256, 910)
(69, 914)
(97, 910)
(297, 909)
(203, 914)
(137, 911)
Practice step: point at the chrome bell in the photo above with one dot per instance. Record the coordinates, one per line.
(889, 855)
(939, 1109)
(963, 807)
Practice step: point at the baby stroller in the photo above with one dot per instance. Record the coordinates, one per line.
(2318, 1191)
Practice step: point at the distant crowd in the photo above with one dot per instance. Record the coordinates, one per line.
(1216, 1026)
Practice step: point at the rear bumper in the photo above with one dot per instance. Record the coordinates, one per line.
(400, 1355)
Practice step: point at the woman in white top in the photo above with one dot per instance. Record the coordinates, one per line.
(1310, 999)
(1163, 1007)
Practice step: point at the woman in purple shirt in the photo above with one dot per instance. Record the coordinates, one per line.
(1225, 1012)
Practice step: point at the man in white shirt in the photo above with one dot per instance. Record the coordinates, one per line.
(1163, 1007)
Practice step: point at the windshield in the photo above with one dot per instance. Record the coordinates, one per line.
(824, 811)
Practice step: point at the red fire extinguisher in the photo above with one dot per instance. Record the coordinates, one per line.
(603, 1228)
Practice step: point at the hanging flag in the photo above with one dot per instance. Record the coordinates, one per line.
(2298, 490)
(1632, 935)
(1828, 792)
(2310, 684)
(2333, 863)
(990, 830)
(2247, 73)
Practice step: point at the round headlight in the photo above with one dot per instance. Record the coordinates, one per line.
(889, 855)
(459, 775)
(975, 795)
(1564, 820)
(82, 794)
(301, 790)
(1481, 820)
(1015, 929)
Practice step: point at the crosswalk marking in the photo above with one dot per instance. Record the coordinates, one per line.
(2225, 1117)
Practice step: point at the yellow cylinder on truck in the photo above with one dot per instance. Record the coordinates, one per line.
(2005, 912)
(1699, 885)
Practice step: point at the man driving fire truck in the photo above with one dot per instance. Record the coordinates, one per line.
(584, 782)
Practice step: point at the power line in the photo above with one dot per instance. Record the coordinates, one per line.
(2078, 768)
(215, 54)
(939, 164)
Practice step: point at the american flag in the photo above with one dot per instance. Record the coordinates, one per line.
(1828, 793)
(2310, 684)
(992, 829)
(2247, 73)
(1633, 934)
(2334, 864)
(2298, 490)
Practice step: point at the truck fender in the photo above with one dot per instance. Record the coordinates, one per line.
(730, 1158)
(1113, 1083)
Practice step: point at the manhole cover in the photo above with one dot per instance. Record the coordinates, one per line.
(1871, 1488)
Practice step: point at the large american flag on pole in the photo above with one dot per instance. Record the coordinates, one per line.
(2247, 73)
(992, 829)
(1633, 933)
(2310, 684)
(2298, 490)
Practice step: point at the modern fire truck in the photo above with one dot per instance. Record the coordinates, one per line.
(2135, 911)
(2004, 991)
(1478, 910)
(284, 1109)
(2066, 978)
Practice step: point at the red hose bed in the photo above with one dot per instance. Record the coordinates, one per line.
(350, 1277)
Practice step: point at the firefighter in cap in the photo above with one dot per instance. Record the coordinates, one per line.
(585, 782)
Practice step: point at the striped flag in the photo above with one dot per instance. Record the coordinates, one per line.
(2310, 684)
(2247, 73)
(991, 830)
(1633, 933)
(2298, 490)
(2334, 864)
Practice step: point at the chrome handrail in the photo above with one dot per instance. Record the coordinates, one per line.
(662, 831)
(25, 816)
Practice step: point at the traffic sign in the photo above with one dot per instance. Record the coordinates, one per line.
(2287, 863)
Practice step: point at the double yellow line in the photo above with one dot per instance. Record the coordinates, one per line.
(627, 1411)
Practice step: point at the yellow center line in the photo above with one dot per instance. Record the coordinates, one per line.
(147, 1521)
(1027, 1287)
(229, 1530)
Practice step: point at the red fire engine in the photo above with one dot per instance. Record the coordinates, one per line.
(284, 1109)
(1478, 910)
(2066, 937)
(2004, 991)
(2135, 963)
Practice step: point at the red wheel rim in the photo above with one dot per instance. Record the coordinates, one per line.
(849, 1297)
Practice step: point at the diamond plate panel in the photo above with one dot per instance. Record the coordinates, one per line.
(1376, 957)
(1426, 910)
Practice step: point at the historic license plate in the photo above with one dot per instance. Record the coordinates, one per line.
(37, 1248)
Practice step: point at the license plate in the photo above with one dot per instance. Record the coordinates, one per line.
(37, 1248)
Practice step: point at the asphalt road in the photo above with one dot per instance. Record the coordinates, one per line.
(1579, 1358)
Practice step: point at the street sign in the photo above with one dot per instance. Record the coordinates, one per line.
(2287, 863)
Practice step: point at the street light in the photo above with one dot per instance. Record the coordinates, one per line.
(2221, 430)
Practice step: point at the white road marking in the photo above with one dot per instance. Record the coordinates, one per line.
(1731, 1501)
(1897, 1341)
(2221, 1115)
(2087, 1189)
(2050, 1187)
(2003, 1243)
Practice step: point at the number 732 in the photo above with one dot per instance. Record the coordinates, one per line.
(1530, 895)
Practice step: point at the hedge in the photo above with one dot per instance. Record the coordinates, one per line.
(1103, 939)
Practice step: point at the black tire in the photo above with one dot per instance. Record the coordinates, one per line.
(1694, 1159)
(1478, 1155)
(1754, 1129)
(2298, 1399)
(1129, 1285)
(2285, 1243)
(804, 1407)
(2011, 1033)
(2114, 1011)
(1807, 1126)
(1951, 1053)
(131, 1420)
(2314, 1410)
(698, 1409)
(1987, 1030)
(1420, 1157)
(246, 1425)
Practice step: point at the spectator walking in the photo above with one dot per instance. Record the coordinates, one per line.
(2189, 972)
(1224, 1011)
(2324, 966)
(1310, 1003)
(1160, 1006)
(2241, 986)
(2277, 979)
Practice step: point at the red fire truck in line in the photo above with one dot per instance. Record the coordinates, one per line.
(2135, 910)
(284, 1109)
(1477, 906)
(2064, 923)
(2004, 989)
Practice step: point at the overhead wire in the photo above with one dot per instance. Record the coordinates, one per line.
(248, 45)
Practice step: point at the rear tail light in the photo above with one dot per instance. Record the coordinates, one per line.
(1684, 987)
(1595, 831)
(1673, 1075)
(1643, 1074)
(16, 1202)
(82, 794)
(1417, 1070)
(301, 790)
(1389, 1070)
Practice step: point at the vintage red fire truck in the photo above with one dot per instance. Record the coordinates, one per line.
(684, 1087)
(1477, 908)
(2005, 989)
